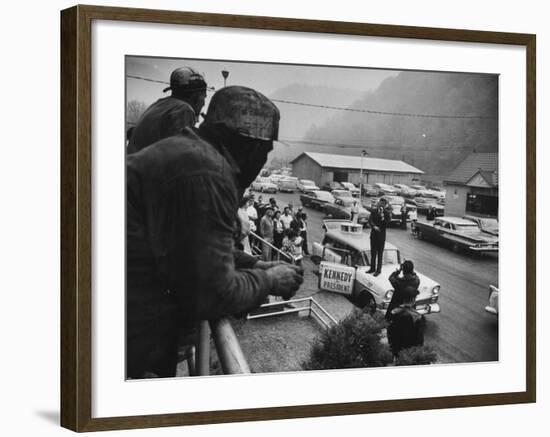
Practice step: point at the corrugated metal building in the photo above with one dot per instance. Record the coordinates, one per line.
(472, 187)
(324, 167)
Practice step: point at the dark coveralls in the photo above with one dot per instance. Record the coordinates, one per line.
(164, 118)
(181, 263)
(379, 217)
(400, 285)
(406, 329)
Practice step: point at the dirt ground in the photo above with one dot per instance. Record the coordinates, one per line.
(282, 343)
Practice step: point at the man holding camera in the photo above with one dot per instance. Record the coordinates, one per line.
(403, 285)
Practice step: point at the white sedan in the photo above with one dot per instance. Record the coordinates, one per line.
(264, 185)
(344, 258)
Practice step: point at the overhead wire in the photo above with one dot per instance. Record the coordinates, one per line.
(342, 108)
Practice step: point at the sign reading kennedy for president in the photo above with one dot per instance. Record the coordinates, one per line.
(336, 277)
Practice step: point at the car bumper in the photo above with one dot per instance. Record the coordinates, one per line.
(428, 308)
(483, 249)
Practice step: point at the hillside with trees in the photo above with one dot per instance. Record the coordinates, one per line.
(435, 145)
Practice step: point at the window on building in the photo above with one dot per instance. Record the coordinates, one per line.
(341, 176)
(482, 204)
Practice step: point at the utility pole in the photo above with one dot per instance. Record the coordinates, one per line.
(363, 153)
(225, 74)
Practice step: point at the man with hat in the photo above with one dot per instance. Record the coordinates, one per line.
(169, 115)
(181, 223)
(402, 284)
(406, 328)
(266, 231)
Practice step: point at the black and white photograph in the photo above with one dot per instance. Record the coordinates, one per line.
(292, 218)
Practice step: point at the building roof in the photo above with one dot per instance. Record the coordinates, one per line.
(354, 162)
(484, 163)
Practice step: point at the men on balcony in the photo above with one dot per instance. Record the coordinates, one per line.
(182, 201)
(169, 115)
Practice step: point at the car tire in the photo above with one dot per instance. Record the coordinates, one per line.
(366, 302)
(315, 260)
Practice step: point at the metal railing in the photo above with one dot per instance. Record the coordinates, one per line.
(227, 346)
(313, 308)
(256, 243)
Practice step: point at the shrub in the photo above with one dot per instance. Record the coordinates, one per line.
(416, 355)
(354, 342)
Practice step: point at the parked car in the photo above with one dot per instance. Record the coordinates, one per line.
(345, 249)
(305, 185)
(422, 191)
(492, 306)
(342, 207)
(341, 194)
(458, 233)
(330, 186)
(264, 185)
(286, 185)
(369, 190)
(405, 191)
(316, 199)
(486, 224)
(395, 204)
(423, 204)
(351, 188)
(385, 189)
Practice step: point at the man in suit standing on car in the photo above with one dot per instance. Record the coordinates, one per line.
(378, 220)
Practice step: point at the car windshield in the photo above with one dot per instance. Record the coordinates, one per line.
(348, 185)
(467, 228)
(489, 223)
(395, 200)
(341, 193)
(324, 195)
(347, 202)
(391, 256)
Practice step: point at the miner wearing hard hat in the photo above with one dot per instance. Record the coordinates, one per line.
(182, 201)
(169, 115)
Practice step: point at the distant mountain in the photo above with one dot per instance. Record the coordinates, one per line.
(435, 145)
(297, 120)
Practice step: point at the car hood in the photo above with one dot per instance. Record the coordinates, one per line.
(381, 283)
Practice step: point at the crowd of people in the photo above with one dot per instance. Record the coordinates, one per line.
(191, 226)
(282, 234)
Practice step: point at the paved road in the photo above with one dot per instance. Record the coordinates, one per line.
(463, 331)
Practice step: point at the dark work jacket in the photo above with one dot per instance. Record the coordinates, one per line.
(164, 118)
(181, 263)
(406, 329)
(399, 284)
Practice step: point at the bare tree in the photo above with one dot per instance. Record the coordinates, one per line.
(134, 110)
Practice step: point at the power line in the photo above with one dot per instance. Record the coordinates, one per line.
(131, 76)
(147, 79)
(342, 108)
(370, 111)
(367, 146)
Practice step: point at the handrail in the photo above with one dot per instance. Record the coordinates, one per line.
(311, 302)
(229, 350)
(279, 252)
(227, 346)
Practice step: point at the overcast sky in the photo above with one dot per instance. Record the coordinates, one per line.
(266, 78)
